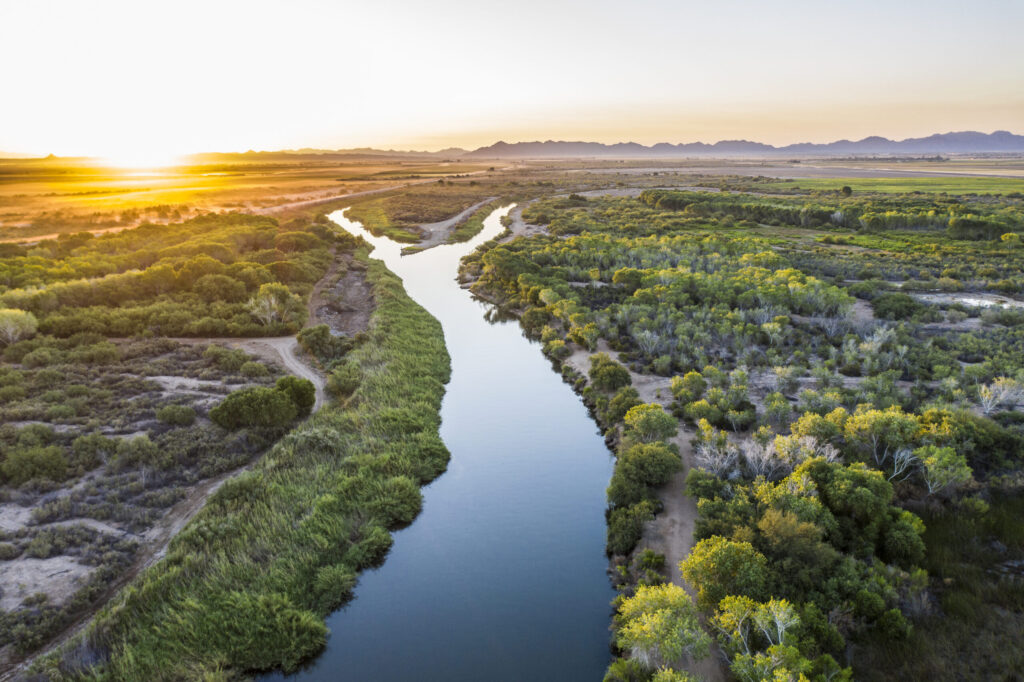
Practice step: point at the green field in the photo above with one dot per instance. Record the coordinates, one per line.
(951, 185)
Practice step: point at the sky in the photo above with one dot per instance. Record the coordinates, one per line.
(146, 80)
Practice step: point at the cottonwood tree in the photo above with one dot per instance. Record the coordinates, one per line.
(761, 459)
(16, 325)
(713, 451)
(274, 302)
(649, 422)
(882, 432)
(719, 567)
(944, 468)
(1002, 391)
(659, 625)
(904, 464)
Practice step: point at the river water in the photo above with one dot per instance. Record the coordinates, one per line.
(502, 576)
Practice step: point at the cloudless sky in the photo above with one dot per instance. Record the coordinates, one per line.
(147, 78)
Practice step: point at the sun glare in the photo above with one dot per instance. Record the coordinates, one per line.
(139, 159)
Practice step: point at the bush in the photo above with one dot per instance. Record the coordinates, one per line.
(897, 306)
(219, 288)
(606, 374)
(621, 403)
(25, 464)
(12, 394)
(226, 359)
(253, 370)
(259, 406)
(177, 415)
(300, 391)
(89, 451)
(626, 527)
(321, 344)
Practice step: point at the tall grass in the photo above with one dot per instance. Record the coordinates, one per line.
(247, 584)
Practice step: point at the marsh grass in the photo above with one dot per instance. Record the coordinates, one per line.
(974, 630)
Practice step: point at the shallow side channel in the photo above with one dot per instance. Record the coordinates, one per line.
(503, 575)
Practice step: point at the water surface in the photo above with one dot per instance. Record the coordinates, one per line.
(502, 576)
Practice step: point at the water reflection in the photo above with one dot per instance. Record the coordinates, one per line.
(503, 575)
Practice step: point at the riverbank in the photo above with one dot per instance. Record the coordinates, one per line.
(298, 528)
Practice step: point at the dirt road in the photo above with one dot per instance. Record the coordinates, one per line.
(671, 531)
(284, 349)
(437, 233)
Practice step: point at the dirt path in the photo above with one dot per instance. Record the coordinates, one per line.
(281, 349)
(671, 531)
(519, 227)
(437, 233)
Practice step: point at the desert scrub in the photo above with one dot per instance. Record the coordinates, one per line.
(313, 512)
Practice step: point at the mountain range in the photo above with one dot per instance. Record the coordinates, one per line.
(967, 142)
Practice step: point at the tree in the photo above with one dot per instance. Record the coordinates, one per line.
(16, 325)
(746, 626)
(1002, 391)
(882, 432)
(713, 452)
(274, 302)
(650, 422)
(944, 468)
(659, 625)
(718, 567)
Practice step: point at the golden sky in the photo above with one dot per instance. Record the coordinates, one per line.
(146, 80)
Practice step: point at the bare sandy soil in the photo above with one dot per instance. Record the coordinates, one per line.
(520, 228)
(58, 577)
(671, 532)
(344, 302)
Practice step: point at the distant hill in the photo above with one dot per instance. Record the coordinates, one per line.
(968, 142)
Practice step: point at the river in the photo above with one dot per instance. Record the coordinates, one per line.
(502, 577)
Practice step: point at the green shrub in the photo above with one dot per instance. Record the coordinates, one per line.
(10, 394)
(253, 370)
(226, 359)
(301, 392)
(625, 399)
(25, 464)
(319, 342)
(177, 415)
(257, 406)
(897, 306)
(89, 451)
(626, 527)
(60, 412)
(606, 374)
